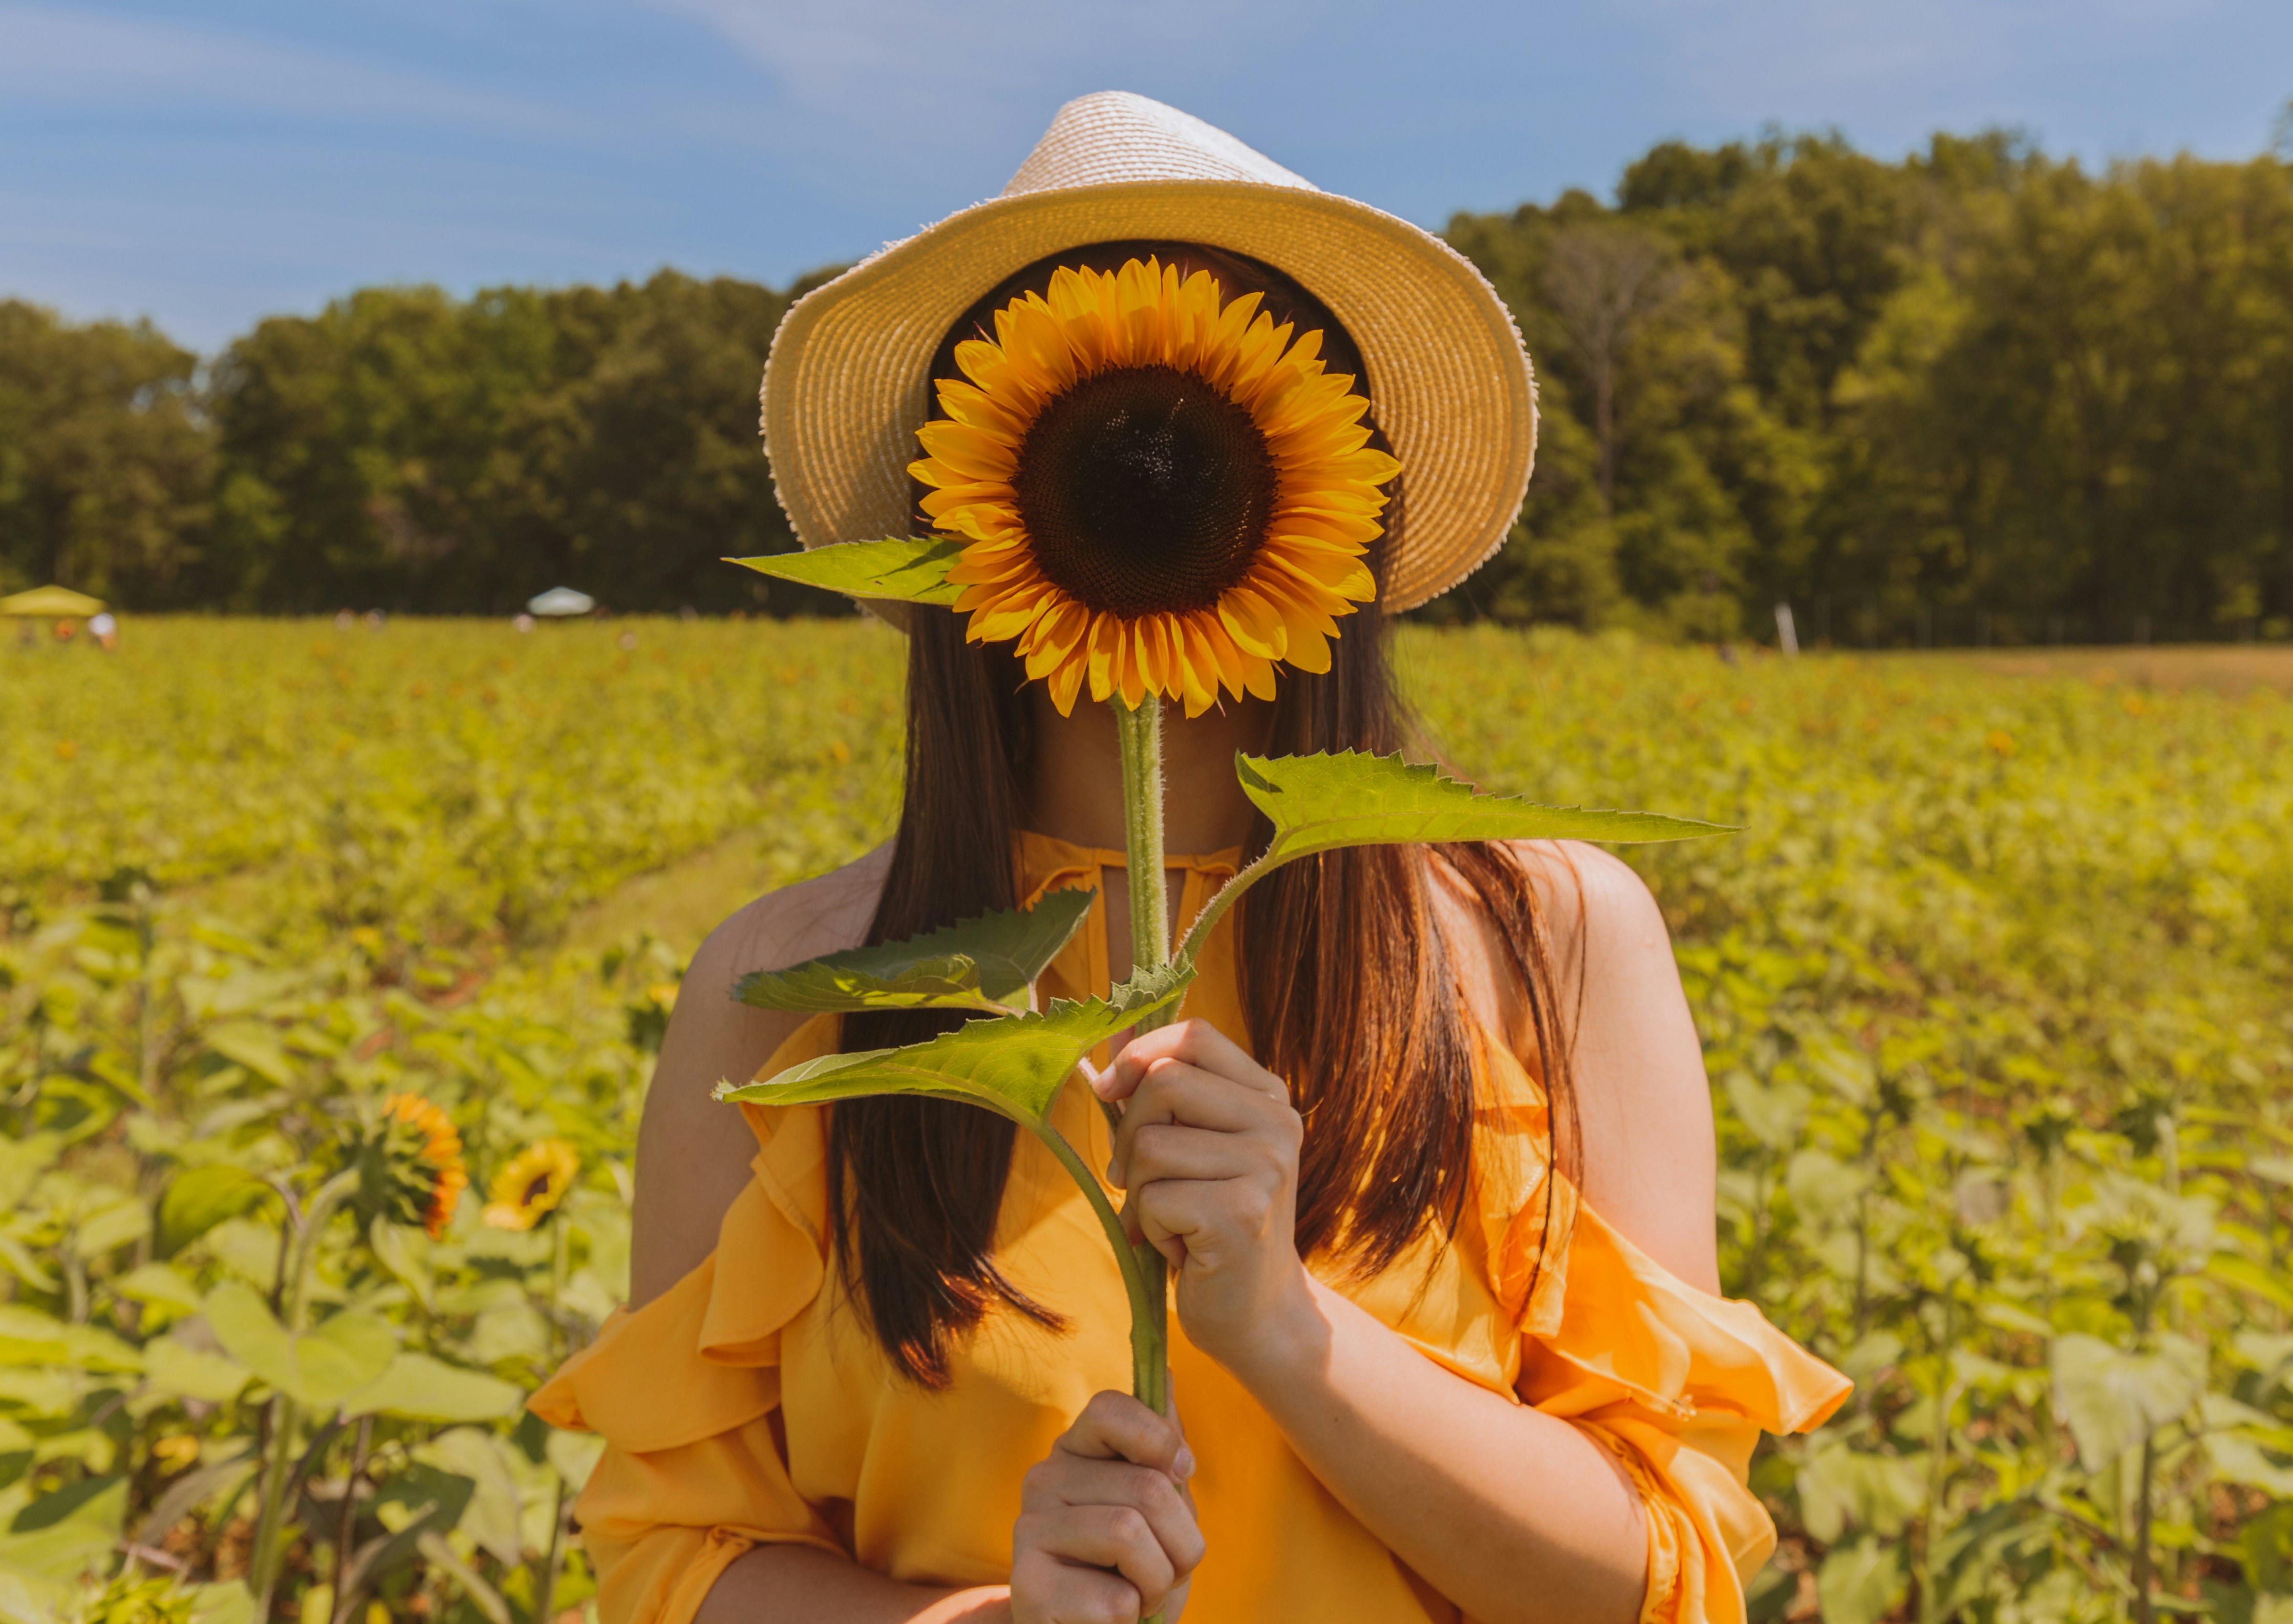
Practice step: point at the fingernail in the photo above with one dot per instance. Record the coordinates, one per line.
(1185, 1465)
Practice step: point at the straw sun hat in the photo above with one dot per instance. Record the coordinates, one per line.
(848, 383)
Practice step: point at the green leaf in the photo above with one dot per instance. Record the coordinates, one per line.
(1320, 802)
(2240, 1460)
(402, 1249)
(492, 1516)
(203, 1198)
(1861, 1583)
(60, 1535)
(112, 1227)
(575, 1455)
(254, 1044)
(160, 1286)
(28, 1598)
(2248, 1276)
(2114, 1399)
(1323, 802)
(175, 1367)
(908, 570)
(21, 1162)
(985, 964)
(217, 1485)
(417, 1388)
(318, 1369)
(224, 1604)
(1015, 1064)
(1839, 1485)
(30, 1337)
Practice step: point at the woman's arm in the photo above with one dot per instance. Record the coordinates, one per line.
(1509, 1512)
(794, 1584)
(693, 1153)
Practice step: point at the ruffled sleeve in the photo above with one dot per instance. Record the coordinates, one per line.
(1676, 1384)
(686, 1392)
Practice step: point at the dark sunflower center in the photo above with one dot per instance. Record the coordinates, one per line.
(1144, 490)
(535, 1190)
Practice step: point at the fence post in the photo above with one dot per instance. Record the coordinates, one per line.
(1786, 633)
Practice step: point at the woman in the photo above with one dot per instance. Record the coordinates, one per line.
(870, 1366)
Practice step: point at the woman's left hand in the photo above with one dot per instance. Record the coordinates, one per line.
(1207, 1151)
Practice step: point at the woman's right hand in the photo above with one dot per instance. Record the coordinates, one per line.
(1106, 1531)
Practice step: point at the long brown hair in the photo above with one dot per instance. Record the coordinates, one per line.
(1345, 980)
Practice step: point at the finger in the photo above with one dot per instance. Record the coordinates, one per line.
(1116, 1426)
(1069, 1480)
(1045, 1588)
(1115, 1537)
(1198, 1043)
(1171, 1150)
(1173, 1213)
(1176, 1092)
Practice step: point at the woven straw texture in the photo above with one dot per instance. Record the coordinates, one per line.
(845, 387)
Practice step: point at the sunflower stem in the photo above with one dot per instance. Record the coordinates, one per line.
(271, 1505)
(1140, 731)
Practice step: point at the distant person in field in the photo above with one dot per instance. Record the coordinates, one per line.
(1431, 1154)
(104, 627)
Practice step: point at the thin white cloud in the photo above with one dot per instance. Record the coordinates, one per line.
(1759, 60)
(970, 76)
(98, 61)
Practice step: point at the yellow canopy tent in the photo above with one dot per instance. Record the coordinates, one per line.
(51, 604)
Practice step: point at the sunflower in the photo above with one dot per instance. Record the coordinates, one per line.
(530, 1184)
(1160, 491)
(421, 1148)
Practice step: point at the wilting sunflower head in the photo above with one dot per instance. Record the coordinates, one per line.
(531, 1184)
(1161, 491)
(410, 1162)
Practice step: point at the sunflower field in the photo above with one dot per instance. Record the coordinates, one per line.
(332, 961)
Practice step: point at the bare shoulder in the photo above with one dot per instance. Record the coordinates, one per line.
(1591, 898)
(688, 1167)
(825, 914)
(1644, 1104)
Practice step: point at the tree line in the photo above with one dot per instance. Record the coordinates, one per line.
(1979, 395)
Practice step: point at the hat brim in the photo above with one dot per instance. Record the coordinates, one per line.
(846, 385)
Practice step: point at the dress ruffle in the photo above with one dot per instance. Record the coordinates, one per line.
(1676, 1384)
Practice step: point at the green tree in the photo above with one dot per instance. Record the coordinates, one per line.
(105, 463)
(407, 449)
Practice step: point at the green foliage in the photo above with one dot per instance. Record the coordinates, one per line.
(1991, 986)
(1013, 1065)
(279, 872)
(105, 468)
(1946, 400)
(1320, 802)
(419, 452)
(907, 570)
(987, 964)
(1324, 801)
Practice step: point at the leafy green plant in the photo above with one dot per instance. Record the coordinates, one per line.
(1982, 942)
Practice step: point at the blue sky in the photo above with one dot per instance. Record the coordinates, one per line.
(208, 164)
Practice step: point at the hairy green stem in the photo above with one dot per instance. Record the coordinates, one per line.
(271, 1505)
(1140, 733)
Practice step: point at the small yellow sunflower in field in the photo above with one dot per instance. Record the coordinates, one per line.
(531, 1184)
(434, 1158)
(1162, 492)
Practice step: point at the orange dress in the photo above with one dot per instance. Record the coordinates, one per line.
(747, 1404)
